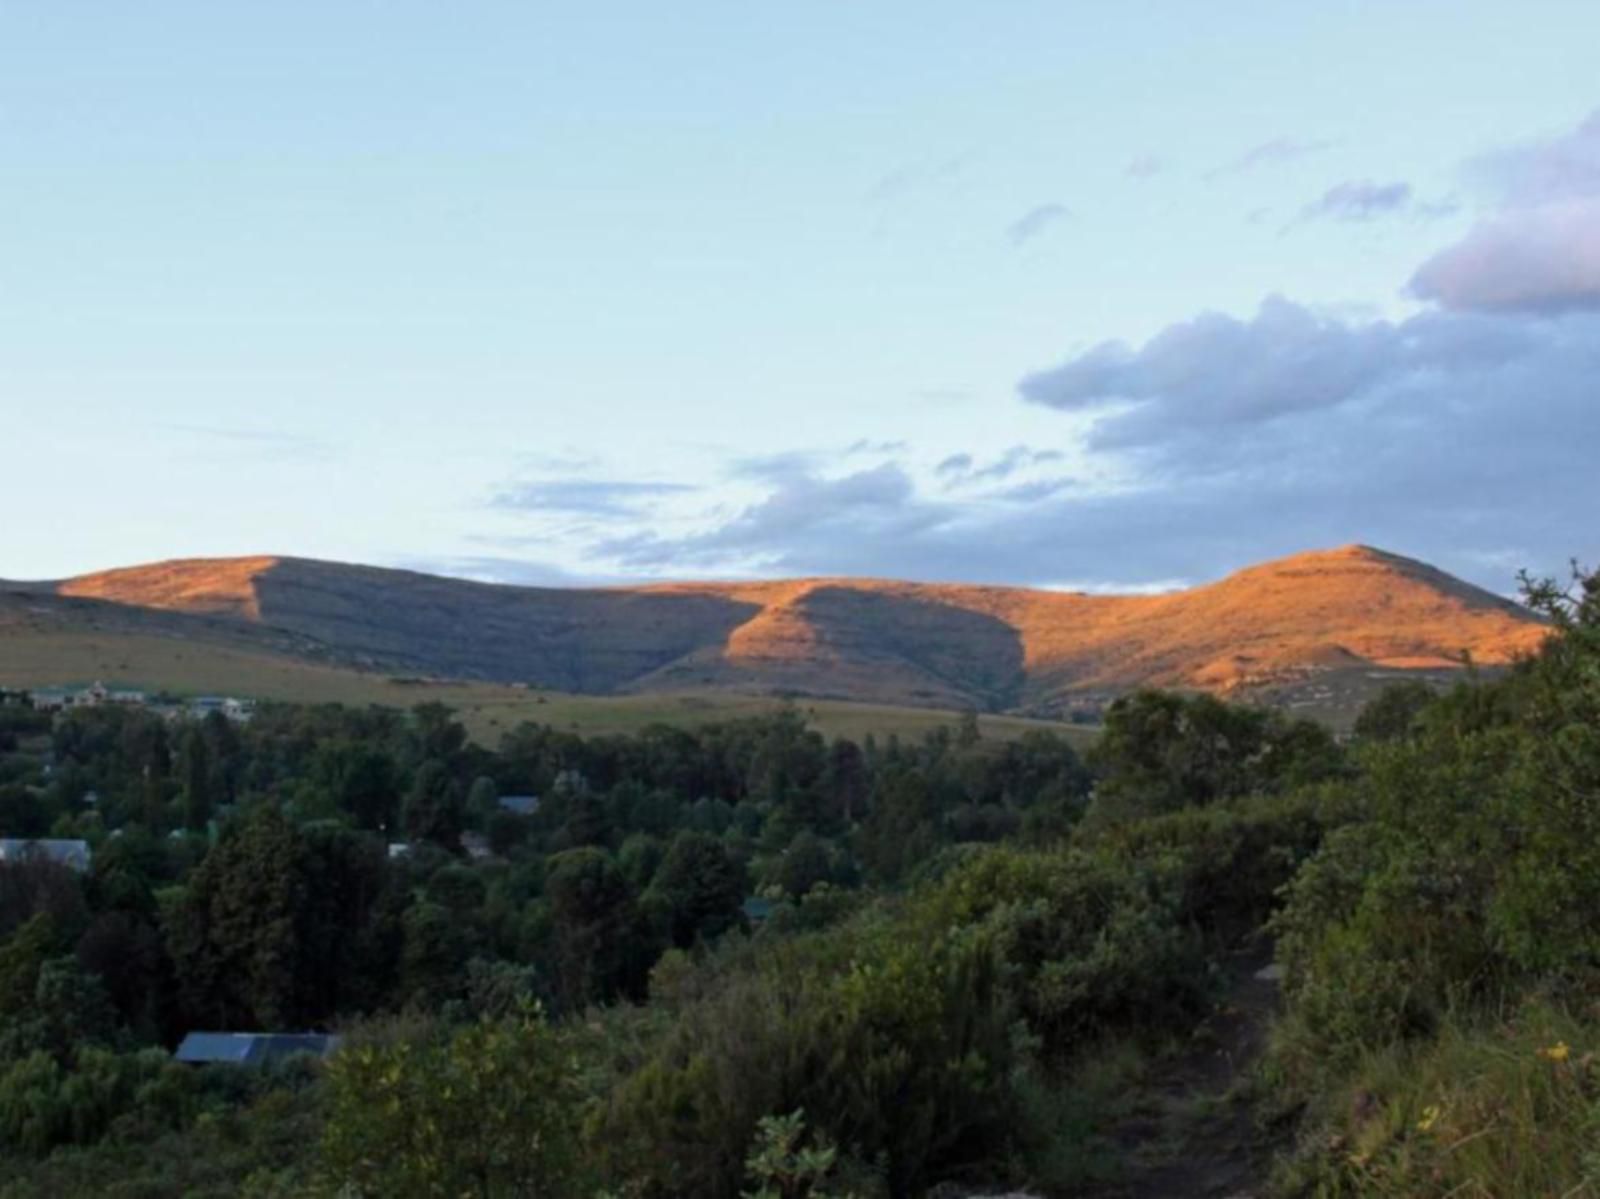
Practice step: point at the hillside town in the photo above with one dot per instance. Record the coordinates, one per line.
(96, 695)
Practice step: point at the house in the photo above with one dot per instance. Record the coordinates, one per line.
(399, 849)
(51, 699)
(522, 805)
(75, 855)
(758, 910)
(237, 710)
(251, 1048)
(476, 846)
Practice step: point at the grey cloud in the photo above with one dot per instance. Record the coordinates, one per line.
(1270, 153)
(1539, 251)
(867, 446)
(1359, 200)
(1033, 492)
(1538, 259)
(491, 569)
(1143, 166)
(588, 497)
(271, 445)
(963, 468)
(791, 463)
(1465, 439)
(917, 176)
(804, 520)
(1035, 222)
(1015, 459)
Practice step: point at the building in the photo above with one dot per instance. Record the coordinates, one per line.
(522, 805)
(75, 855)
(251, 1048)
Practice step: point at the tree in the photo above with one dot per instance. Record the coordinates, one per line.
(237, 935)
(595, 929)
(199, 796)
(493, 1110)
(1392, 714)
(699, 888)
(1162, 751)
(806, 863)
(434, 809)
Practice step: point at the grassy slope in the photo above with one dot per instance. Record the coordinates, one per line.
(41, 659)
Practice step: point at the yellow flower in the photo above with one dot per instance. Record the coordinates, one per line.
(1555, 1053)
(1430, 1117)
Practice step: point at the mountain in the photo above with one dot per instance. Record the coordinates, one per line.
(1311, 620)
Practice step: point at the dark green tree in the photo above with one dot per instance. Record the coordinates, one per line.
(699, 888)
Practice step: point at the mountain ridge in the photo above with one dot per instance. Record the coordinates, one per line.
(993, 647)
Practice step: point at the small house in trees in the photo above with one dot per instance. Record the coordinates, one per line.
(251, 1048)
(75, 855)
(522, 805)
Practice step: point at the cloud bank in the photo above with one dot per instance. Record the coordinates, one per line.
(1539, 249)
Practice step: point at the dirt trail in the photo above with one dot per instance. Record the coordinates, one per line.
(1192, 1134)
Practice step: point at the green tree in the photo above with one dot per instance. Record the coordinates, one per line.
(493, 1110)
(699, 888)
(596, 930)
(238, 934)
(199, 779)
(435, 810)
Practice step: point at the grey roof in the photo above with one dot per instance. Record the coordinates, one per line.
(522, 805)
(758, 908)
(252, 1048)
(75, 854)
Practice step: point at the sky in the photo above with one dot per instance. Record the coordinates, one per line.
(1114, 297)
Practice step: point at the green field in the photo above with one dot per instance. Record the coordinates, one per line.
(35, 659)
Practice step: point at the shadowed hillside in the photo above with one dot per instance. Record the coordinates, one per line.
(1322, 615)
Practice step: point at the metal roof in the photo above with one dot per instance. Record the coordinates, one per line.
(252, 1048)
(75, 854)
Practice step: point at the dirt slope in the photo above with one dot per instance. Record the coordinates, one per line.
(996, 648)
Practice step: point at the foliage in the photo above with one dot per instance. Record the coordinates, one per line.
(491, 1109)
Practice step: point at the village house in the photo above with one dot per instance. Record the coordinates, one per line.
(251, 1048)
(75, 855)
(522, 805)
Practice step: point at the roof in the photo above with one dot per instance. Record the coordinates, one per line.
(758, 908)
(252, 1048)
(522, 805)
(75, 854)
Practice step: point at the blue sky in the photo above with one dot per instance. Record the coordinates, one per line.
(563, 292)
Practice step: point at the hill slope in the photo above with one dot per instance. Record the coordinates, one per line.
(1353, 609)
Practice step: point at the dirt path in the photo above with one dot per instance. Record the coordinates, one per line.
(1191, 1134)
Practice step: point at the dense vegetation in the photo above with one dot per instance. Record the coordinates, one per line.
(746, 960)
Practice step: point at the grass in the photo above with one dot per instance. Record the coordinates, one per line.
(487, 709)
(1502, 1106)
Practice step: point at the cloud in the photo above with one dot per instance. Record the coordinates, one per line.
(1359, 200)
(805, 522)
(963, 468)
(1035, 222)
(1545, 258)
(268, 445)
(1466, 439)
(1271, 153)
(517, 571)
(608, 498)
(917, 176)
(1144, 166)
(1539, 249)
